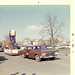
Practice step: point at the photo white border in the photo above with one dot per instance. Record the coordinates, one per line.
(72, 22)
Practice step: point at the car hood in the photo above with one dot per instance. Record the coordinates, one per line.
(48, 51)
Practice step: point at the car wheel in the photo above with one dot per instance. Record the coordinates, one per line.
(52, 58)
(37, 58)
(22, 56)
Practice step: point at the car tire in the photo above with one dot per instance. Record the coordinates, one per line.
(52, 58)
(22, 56)
(37, 58)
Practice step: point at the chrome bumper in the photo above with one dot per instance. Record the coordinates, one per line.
(50, 56)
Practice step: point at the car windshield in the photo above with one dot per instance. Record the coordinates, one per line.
(39, 47)
(29, 48)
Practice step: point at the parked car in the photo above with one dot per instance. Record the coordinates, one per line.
(49, 48)
(37, 52)
(58, 47)
(1, 49)
(66, 46)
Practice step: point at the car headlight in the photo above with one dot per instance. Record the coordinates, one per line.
(43, 53)
(56, 53)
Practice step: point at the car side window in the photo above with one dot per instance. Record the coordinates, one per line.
(29, 48)
(26, 48)
(35, 48)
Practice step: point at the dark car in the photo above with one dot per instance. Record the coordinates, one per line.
(38, 52)
(1, 49)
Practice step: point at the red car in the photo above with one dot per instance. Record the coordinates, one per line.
(38, 52)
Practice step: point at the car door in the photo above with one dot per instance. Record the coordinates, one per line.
(32, 53)
(24, 52)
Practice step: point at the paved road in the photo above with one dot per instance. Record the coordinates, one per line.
(15, 65)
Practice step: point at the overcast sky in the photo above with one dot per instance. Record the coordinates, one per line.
(27, 19)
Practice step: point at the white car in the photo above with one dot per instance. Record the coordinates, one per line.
(66, 46)
(58, 47)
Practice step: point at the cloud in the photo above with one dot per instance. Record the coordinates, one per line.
(33, 28)
(33, 31)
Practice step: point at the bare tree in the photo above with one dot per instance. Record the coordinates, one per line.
(52, 27)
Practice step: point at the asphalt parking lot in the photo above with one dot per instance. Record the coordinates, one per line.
(15, 65)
